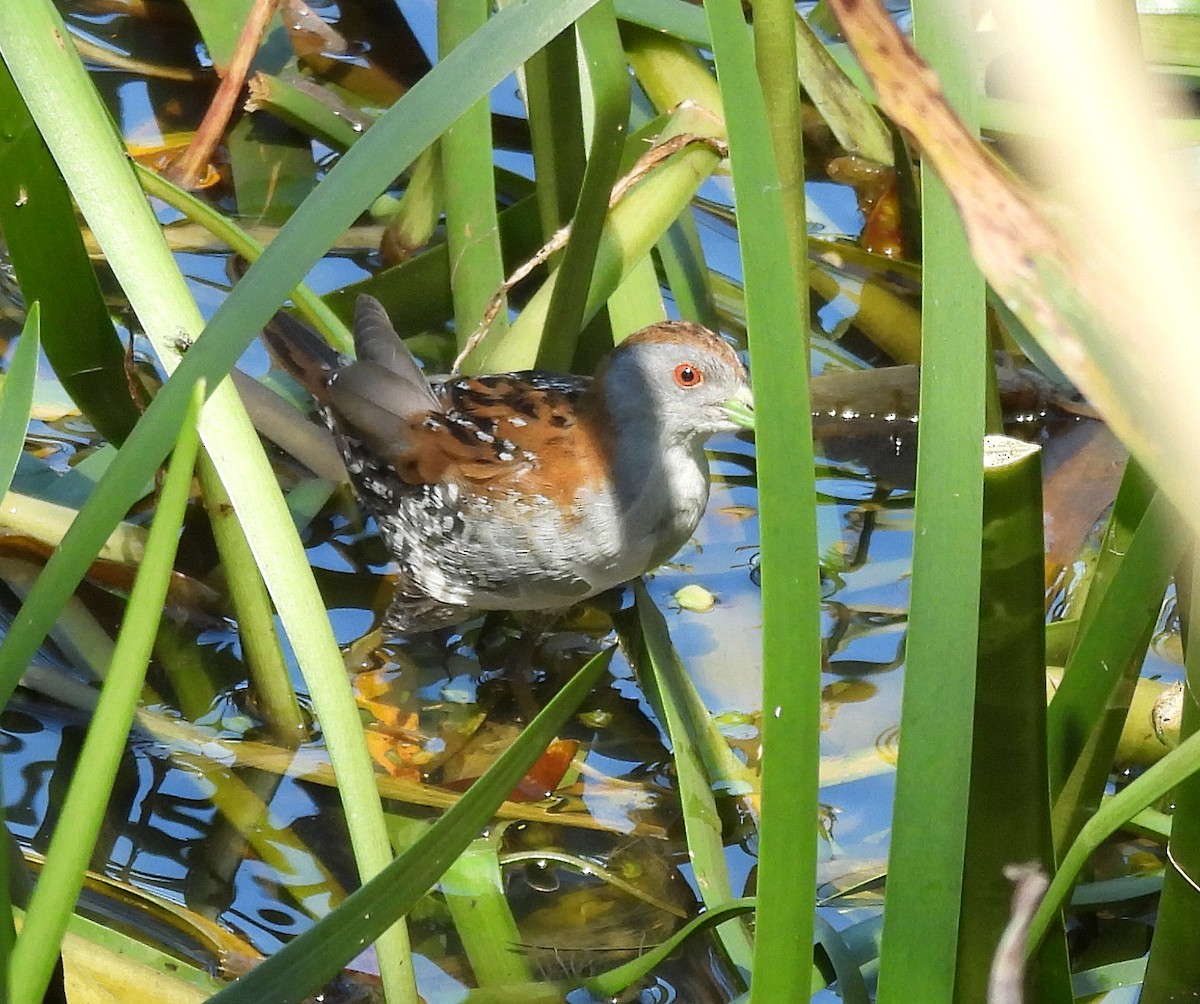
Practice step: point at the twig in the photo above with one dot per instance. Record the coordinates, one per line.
(187, 171)
(1006, 983)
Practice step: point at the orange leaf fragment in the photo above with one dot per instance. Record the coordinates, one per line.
(543, 778)
(397, 756)
(875, 188)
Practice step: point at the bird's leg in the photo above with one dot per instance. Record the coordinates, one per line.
(518, 666)
(520, 671)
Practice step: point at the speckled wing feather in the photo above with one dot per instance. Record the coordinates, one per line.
(535, 433)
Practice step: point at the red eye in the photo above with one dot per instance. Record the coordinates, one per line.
(688, 375)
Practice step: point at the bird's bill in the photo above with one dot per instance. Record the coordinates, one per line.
(740, 409)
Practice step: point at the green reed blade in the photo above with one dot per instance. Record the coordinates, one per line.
(274, 695)
(1008, 809)
(1088, 709)
(608, 117)
(776, 61)
(309, 305)
(610, 984)
(686, 271)
(473, 888)
(702, 759)
(921, 918)
(220, 23)
(41, 237)
(1129, 509)
(777, 320)
(469, 188)
(36, 952)
(306, 109)
(1174, 967)
(552, 99)
(849, 115)
(16, 396)
(1158, 780)
(674, 18)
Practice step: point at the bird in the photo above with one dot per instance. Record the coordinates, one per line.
(524, 491)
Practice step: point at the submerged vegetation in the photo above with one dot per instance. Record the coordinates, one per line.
(504, 812)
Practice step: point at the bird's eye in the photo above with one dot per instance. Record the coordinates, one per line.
(688, 375)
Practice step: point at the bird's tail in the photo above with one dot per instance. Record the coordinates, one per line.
(302, 353)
